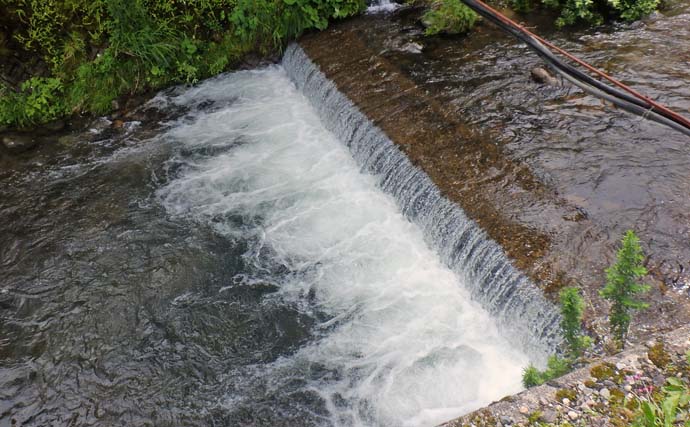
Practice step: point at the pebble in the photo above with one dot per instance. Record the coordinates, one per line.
(573, 415)
(549, 416)
(620, 366)
(566, 401)
(605, 393)
(627, 387)
(506, 421)
(524, 410)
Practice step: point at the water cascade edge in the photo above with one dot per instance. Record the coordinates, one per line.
(525, 317)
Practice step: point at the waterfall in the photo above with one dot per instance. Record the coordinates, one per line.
(523, 314)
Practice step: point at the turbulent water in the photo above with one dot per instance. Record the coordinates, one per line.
(462, 246)
(382, 6)
(238, 268)
(395, 339)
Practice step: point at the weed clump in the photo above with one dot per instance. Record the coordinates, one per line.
(658, 355)
(602, 372)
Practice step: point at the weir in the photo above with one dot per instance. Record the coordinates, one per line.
(526, 318)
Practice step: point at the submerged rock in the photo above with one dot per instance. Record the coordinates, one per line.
(541, 75)
(18, 143)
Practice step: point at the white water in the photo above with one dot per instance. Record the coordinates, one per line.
(382, 6)
(409, 346)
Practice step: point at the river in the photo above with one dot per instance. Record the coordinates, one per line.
(235, 268)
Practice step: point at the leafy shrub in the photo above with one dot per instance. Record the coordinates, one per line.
(591, 11)
(39, 99)
(631, 10)
(449, 16)
(98, 50)
(622, 286)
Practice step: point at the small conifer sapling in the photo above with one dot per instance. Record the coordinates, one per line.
(623, 286)
(572, 311)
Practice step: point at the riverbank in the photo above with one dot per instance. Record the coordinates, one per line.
(610, 391)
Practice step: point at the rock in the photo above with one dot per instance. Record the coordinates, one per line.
(566, 401)
(540, 75)
(605, 393)
(549, 416)
(18, 143)
(620, 366)
(653, 17)
(609, 383)
(99, 124)
(118, 124)
(114, 104)
(627, 387)
(659, 380)
(506, 421)
(524, 410)
(573, 415)
(68, 140)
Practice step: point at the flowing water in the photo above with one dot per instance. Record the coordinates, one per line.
(238, 268)
(382, 6)
(268, 257)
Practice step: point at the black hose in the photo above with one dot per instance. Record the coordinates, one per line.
(586, 82)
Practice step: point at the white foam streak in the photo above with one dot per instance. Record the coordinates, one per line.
(383, 6)
(410, 347)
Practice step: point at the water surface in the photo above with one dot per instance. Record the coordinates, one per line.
(235, 269)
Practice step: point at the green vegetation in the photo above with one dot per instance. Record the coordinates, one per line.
(450, 17)
(665, 410)
(572, 310)
(555, 367)
(98, 50)
(591, 11)
(622, 286)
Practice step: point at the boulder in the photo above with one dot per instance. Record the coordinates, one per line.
(541, 75)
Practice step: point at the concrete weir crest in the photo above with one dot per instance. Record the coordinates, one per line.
(524, 315)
